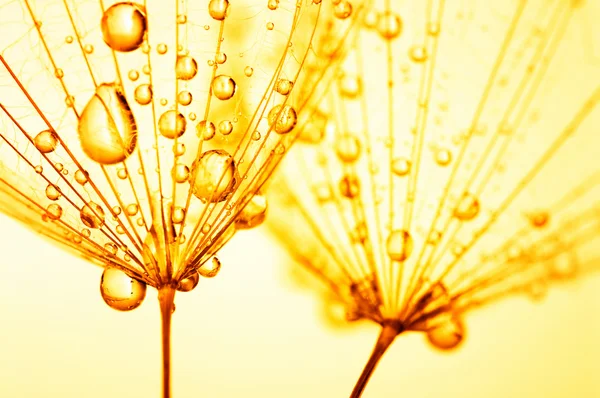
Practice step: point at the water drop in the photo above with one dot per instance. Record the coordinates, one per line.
(539, 219)
(270, 25)
(54, 211)
(81, 176)
(92, 215)
(124, 26)
(133, 75)
(225, 127)
(287, 119)
(220, 58)
(273, 4)
(210, 269)
(343, 9)
(401, 166)
(143, 94)
(178, 215)
(186, 67)
(248, 71)
(350, 86)
(161, 48)
(121, 292)
(418, 54)
(347, 148)
(446, 335)
(180, 173)
(349, 186)
(467, 208)
(443, 157)
(184, 98)
(171, 124)
(284, 86)
(223, 87)
(213, 176)
(53, 192)
(206, 130)
(107, 129)
(399, 245)
(218, 9)
(253, 214)
(389, 25)
(132, 209)
(46, 141)
(188, 284)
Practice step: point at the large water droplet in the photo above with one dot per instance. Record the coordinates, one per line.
(447, 335)
(188, 284)
(399, 245)
(211, 268)
(186, 67)
(171, 124)
(121, 292)
(92, 215)
(214, 176)
(46, 141)
(107, 129)
(286, 121)
(143, 94)
(223, 87)
(253, 214)
(389, 25)
(467, 208)
(284, 86)
(218, 9)
(124, 26)
(347, 148)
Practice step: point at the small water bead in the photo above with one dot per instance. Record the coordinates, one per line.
(206, 130)
(389, 25)
(322, 192)
(92, 215)
(539, 219)
(59, 167)
(253, 214)
(468, 207)
(163, 101)
(273, 4)
(69, 39)
(206, 228)
(188, 284)
(59, 73)
(284, 86)
(143, 94)
(140, 222)
(210, 269)
(349, 186)
(433, 29)
(88, 48)
(287, 119)
(46, 141)
(181, 19)
(86, 232)
(38, 169)
(221, 58)
(217, 9)
(223, 87)
(447, 335)
(192, 116)
(186, 67)
(342, 10)
(399, 245)
(184, 98)
(120, 291)
(122, 173)
(116, 210)
(443, 157)
(124, 26)
(270, 25)
(401, 166)
(225, 127)
(178, 215)
(132, 209)
(564, 265)
(181, 173)
(171, 124)
(314, 128)
(133, 75)
(161, 48)
(179, 149)
(111, 248)
(82, 176)
(370, 18)
(248, 71)
(347, 148)
(213, 176)
(107, 129)
(54, 211)
(53, 192)
(256, 135)
(350, 86)
(418, 54)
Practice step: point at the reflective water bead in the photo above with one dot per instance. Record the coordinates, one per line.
(46, 141)
(287, 118)
(186, 67)
(399, 245)
(211, 268)
(107, 129)
(124, 26)
(467, 208)
(349, 186)
(81, 176)
(248, 71)
(284, 86)
(120, 291)
(401, 166)
(92, 215)
(181, 173)
(217, 9)
(188, 284)
(54, 211)
(343, 9)
(184, 98)
(443, 157)
(447, 335)
(143, 94)
(418, 54)
(223, 87)
(161, 48)
(389, 25)
(171, 124)
(206, 130)
(253, 214)
(347, 148)
(213, 176)
(53, 192)
(225, 127)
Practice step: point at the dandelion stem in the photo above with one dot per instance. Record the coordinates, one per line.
(385, 339)
(166, 297)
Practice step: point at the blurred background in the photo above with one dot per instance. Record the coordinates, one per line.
(254, 332)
